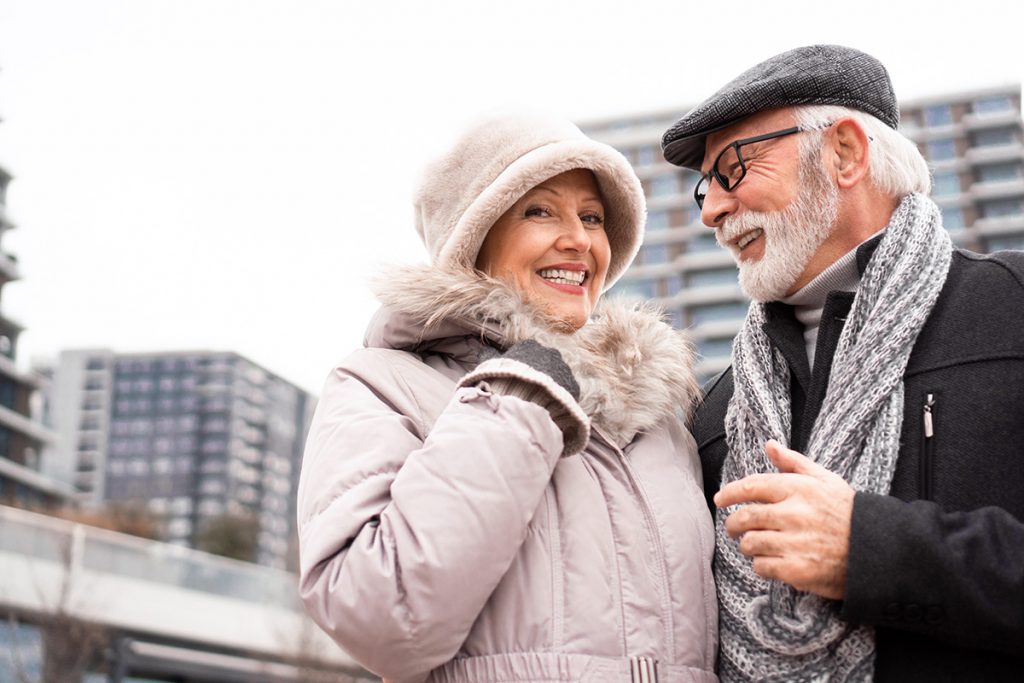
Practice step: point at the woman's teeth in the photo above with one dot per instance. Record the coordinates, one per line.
(563, 277)
(749, 237)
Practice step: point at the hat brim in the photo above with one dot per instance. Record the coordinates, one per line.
(621, 193)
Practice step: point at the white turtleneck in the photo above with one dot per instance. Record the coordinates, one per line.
(808, 302)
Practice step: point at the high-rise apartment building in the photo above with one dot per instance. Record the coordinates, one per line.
(973, 141)
(22, 434)
(197, 437)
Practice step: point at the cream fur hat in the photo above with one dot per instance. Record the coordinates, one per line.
(500, 159)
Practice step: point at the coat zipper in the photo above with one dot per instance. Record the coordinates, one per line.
(648, 666)
(643, 670)
(927, 449)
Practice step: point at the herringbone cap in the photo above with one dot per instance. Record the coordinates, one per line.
(816, 74)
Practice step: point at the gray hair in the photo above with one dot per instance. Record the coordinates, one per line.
(895, 165)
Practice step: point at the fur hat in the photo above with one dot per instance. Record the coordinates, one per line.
(499, 160)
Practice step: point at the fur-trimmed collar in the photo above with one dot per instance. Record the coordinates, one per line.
(633, 369)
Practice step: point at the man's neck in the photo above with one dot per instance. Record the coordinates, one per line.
(862, 214)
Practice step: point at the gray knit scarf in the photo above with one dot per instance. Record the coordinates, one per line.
(769, 630)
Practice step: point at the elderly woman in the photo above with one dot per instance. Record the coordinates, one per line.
(500, 486)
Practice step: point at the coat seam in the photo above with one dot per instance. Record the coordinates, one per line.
(965, 360)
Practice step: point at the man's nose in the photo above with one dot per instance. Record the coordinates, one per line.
(718, 205)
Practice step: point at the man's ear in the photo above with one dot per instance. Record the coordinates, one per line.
(849, 150)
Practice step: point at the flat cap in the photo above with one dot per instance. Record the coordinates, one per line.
(816, 74)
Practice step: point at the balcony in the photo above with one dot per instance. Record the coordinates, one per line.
(986, 155)
(1000, 225)
(974, 122)
(9, 268)
(997, 189)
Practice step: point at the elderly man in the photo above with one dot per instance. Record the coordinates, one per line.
(894, 551)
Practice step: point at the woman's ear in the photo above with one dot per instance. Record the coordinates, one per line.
(850, 150)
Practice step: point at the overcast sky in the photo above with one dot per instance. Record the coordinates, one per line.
(226, 175)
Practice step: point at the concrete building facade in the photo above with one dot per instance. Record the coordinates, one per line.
(196, 437)
(973, 141)
(23, 436)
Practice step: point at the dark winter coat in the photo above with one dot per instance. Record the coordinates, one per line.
(937, 566)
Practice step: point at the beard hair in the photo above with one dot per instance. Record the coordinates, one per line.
(791, 236)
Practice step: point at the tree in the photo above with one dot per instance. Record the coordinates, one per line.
(231, 535)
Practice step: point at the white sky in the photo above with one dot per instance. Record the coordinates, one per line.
(226, 174)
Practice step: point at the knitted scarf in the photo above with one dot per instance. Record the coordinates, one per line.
(769, 630)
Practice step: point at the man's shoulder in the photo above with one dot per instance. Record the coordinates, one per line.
(709, 418)
(1000, 266)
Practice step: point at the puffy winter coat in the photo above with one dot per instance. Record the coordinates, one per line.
(445, 537)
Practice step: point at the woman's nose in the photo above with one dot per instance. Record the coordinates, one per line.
(574, 237)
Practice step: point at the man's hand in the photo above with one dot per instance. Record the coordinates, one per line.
(797, 524)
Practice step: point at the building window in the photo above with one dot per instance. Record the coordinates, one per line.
(673, 284)
(643, 289)
(992, 105)
(708, 278)
(8, 393)
(995, 173)
(714, 348)
(952, 218)
(663, 185)
(1000, 208)
(715, 312)
(702, 242)
(940, 150)
(993, 138)
(946, 184)
(645, 155)
(655, 253)
(938, 115)
(1004, 242)
(657, 220)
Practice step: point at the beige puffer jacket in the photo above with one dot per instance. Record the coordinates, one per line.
(443, 535)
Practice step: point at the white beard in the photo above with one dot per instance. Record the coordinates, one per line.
(791, 236)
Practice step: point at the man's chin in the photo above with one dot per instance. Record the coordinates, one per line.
(761, 285)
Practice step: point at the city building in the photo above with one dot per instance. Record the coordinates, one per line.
(201, 439)
(22, 434)
(973, 141)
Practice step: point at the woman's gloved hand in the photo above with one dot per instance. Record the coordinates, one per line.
(533, 372)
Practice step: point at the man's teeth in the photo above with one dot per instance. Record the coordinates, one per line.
(749, 237)
(563, 277)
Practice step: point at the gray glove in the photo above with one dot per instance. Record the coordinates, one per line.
(539, 357)
(536, 384)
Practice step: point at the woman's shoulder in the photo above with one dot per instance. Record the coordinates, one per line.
(408, 383)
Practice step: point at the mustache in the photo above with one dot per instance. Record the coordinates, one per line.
(735, 226)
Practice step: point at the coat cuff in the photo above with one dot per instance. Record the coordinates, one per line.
(564, 409)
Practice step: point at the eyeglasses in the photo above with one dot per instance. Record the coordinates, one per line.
(729, 167)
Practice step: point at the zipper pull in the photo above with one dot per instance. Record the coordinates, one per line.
(643, 669)
(929, 430)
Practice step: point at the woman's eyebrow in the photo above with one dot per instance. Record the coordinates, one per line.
(587, 196)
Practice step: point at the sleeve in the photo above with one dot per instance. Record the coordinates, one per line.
(402, 540)
(955, 576)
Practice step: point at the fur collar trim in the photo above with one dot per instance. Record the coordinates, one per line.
(633, 369)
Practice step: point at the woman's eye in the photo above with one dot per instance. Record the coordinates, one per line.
(592, 218)
(537, 211)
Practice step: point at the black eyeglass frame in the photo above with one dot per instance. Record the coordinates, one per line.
(713, 173)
